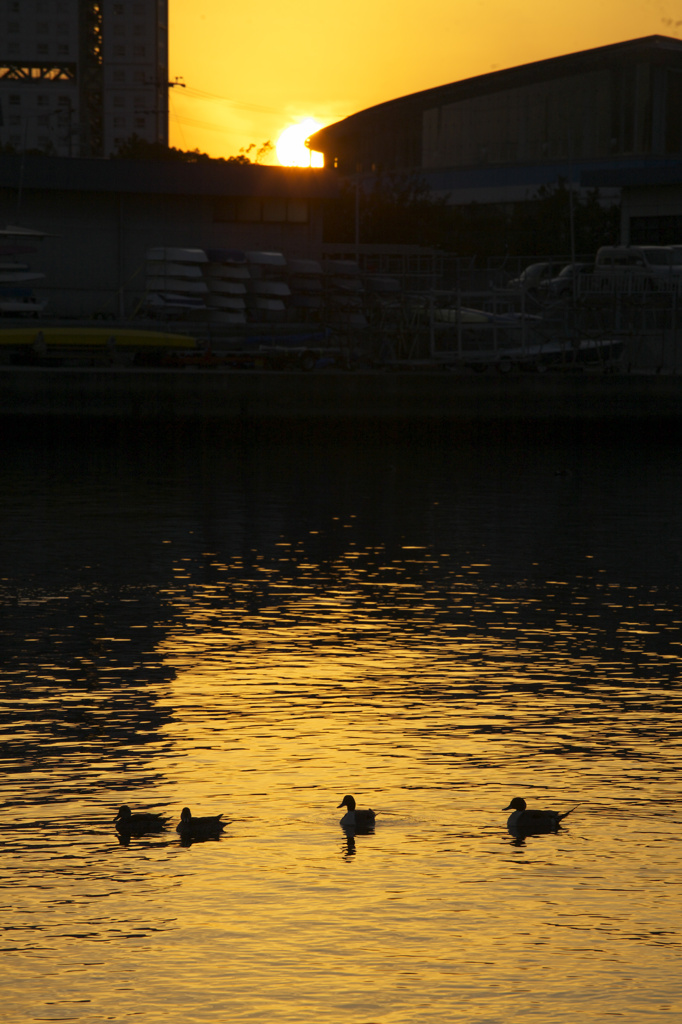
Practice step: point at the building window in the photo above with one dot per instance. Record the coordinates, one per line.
(41, 28)
(119, 50)
(656, 230)
(140, 122)
(298, 211)
(14, 100)
(274, 211)
(119, 76)
(63, 49)
(42, 100)
(119, 122)
(139, 51)
(268, 211)
(42, 49)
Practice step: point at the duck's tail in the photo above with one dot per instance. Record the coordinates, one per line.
(566, 814)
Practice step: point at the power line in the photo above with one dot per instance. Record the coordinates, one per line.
(193, 92)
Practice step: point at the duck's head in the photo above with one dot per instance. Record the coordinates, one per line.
(517, 804)
(186, 815)
(349, 802)
(123, 813)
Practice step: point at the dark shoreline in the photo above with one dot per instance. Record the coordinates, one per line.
(190, 407)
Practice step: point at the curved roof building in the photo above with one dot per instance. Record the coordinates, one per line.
(498, 137)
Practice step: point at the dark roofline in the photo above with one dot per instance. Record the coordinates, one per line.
(167, 177)
(495, 81)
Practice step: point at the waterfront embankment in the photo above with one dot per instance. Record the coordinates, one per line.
(158, 394)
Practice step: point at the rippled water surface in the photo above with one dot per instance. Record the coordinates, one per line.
(260, 628)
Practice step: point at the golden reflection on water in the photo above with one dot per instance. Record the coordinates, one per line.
(430, 632)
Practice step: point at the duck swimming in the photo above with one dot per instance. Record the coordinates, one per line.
(525, 821)
(139, 823)
(354, 818)
(208, 827)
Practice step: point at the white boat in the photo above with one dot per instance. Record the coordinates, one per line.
(272, 288)
(347, 284)
(179, 285)
(538, 356)
(233, 302)
(25, 234)
(171, 300)
(176, 254)
(465, 315)
(28, 306)
(169, 268)
(222, 286)
(228, 272)
(221, 316)
(266, 305)
(266, 259)
(19, 274)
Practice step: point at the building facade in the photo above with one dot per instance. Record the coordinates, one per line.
(98, 219)
(79, 77)
(499, 137)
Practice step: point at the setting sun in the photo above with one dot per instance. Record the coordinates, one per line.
(291, 148)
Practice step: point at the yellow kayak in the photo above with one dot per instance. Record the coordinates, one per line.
(92, 337)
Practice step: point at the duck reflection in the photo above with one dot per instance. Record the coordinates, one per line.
(355, 822)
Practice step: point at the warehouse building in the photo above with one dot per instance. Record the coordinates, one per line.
(499, 137)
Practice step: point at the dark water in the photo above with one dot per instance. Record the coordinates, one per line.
(259, 629)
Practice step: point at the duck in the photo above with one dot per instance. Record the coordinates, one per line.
(354, 818)
(139, 822)
(523, 820)
(208, 827)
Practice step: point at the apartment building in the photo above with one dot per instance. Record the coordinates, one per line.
(79, 77)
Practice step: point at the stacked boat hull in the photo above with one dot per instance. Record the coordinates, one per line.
(17, 280)
(227, 276)
(175, 280)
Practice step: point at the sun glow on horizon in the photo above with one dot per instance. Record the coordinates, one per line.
(291, 148)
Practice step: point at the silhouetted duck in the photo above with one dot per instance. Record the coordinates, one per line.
(139, 823)
(199, 828)
(354, 818)
(522, 820)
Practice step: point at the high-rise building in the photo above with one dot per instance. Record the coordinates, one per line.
(80, 77)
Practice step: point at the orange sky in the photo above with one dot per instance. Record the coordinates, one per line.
(253, 69)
